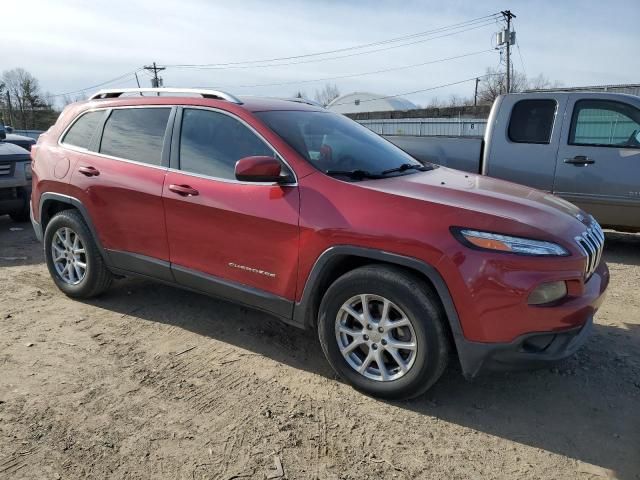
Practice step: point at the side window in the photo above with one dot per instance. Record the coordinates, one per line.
(211, 143)
(532, 121)
(135, 134)
(82, 131)
(605, 123)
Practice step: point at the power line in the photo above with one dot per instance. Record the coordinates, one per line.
(361, 74)
(82, 90)
(423, 89)
(245, 63)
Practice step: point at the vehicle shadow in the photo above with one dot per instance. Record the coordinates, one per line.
(18, 243)
(583, 409)
(622, 248)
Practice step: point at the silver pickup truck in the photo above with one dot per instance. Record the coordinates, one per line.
(583, 147)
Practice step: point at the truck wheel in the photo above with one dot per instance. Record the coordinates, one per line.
(382, 330)
(73, 258)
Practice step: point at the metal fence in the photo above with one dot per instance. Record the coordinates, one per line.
(427, 127)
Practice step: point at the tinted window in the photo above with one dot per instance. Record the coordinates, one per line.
(605, 123)
(211, 143)
(333, 142)
(532, 121)
(135, 134)
(81, 132)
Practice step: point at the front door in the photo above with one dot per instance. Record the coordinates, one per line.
(234, 239)
(598, 164)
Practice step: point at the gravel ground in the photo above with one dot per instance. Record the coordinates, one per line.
(154, 382)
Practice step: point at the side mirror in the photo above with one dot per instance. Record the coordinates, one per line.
(259, 169)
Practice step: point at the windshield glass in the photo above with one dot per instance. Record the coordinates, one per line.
(336, 144)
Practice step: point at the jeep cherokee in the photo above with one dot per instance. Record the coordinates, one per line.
(285, 207)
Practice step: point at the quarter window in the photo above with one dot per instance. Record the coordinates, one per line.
(532, 121)
(211, 143)
(605, 123)
(135, 134)
(82, 131)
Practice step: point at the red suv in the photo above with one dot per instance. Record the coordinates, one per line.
(302, 213)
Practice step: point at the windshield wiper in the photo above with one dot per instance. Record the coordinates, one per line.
(354, 174)
(406, 166)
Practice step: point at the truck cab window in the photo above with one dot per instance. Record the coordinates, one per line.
(532, 121)
(605, 123)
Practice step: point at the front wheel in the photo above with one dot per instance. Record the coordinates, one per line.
(73, 258)
(382, 330)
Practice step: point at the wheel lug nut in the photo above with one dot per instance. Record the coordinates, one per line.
(369, 327)
(383, 342)
(374, 346)
(366, 337)
(380, 329)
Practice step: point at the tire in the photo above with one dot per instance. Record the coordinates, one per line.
(96, 278)
(408, 297)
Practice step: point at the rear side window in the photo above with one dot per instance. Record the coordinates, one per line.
(211, 143)
(532, 121)
(605, 123)
(82, 131)
(135, 134)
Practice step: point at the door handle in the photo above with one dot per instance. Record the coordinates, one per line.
(184, 190)
(89, 171)
(579, 160)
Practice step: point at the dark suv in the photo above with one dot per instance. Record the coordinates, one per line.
(305, 214)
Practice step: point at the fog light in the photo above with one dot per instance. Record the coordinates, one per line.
(547, 293)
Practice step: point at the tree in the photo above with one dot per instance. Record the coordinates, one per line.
(23, 102)
(327, 94)
(494, 83)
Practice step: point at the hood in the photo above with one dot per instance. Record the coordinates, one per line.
(490, 196)
(12, 153)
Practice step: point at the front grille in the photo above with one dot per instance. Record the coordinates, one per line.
(5, 169)
(591, 242)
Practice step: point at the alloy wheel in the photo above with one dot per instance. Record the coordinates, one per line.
(69, 256)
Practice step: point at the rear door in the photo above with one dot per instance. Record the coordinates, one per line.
(119, 180)
(599, 159)
(523, 138)
(230, 238)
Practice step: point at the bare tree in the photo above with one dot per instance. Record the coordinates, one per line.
(327, 94)
(23, 100)
(494, 83)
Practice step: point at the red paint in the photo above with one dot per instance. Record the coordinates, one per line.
(282, 230)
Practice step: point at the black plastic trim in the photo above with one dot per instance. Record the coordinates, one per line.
(49, 196)
(141, 264)
(304, 316)
(233, 291)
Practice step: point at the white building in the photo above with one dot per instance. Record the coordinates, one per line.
(368, 102)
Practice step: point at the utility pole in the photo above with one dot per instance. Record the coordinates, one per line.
(475, 94)
(156, 81)
(10, 110)
(508, 39)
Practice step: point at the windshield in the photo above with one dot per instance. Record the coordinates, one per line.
(337, 145)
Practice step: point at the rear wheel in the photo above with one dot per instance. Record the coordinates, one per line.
(382, 330)
(73, 258)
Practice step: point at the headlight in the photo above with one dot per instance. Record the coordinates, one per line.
(506, 243)
(27, 171)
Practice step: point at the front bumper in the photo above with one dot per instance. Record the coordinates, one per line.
(542, 348)
(530, 351)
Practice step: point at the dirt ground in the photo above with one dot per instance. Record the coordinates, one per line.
(154, 382)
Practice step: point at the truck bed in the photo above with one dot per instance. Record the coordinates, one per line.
(462, 153)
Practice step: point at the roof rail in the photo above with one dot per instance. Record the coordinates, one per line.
(305, 101)
(215, 94)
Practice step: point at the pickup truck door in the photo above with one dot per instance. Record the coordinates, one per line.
(598, 163)
(522, 138)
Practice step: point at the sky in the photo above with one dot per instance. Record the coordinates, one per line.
(71, 45)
